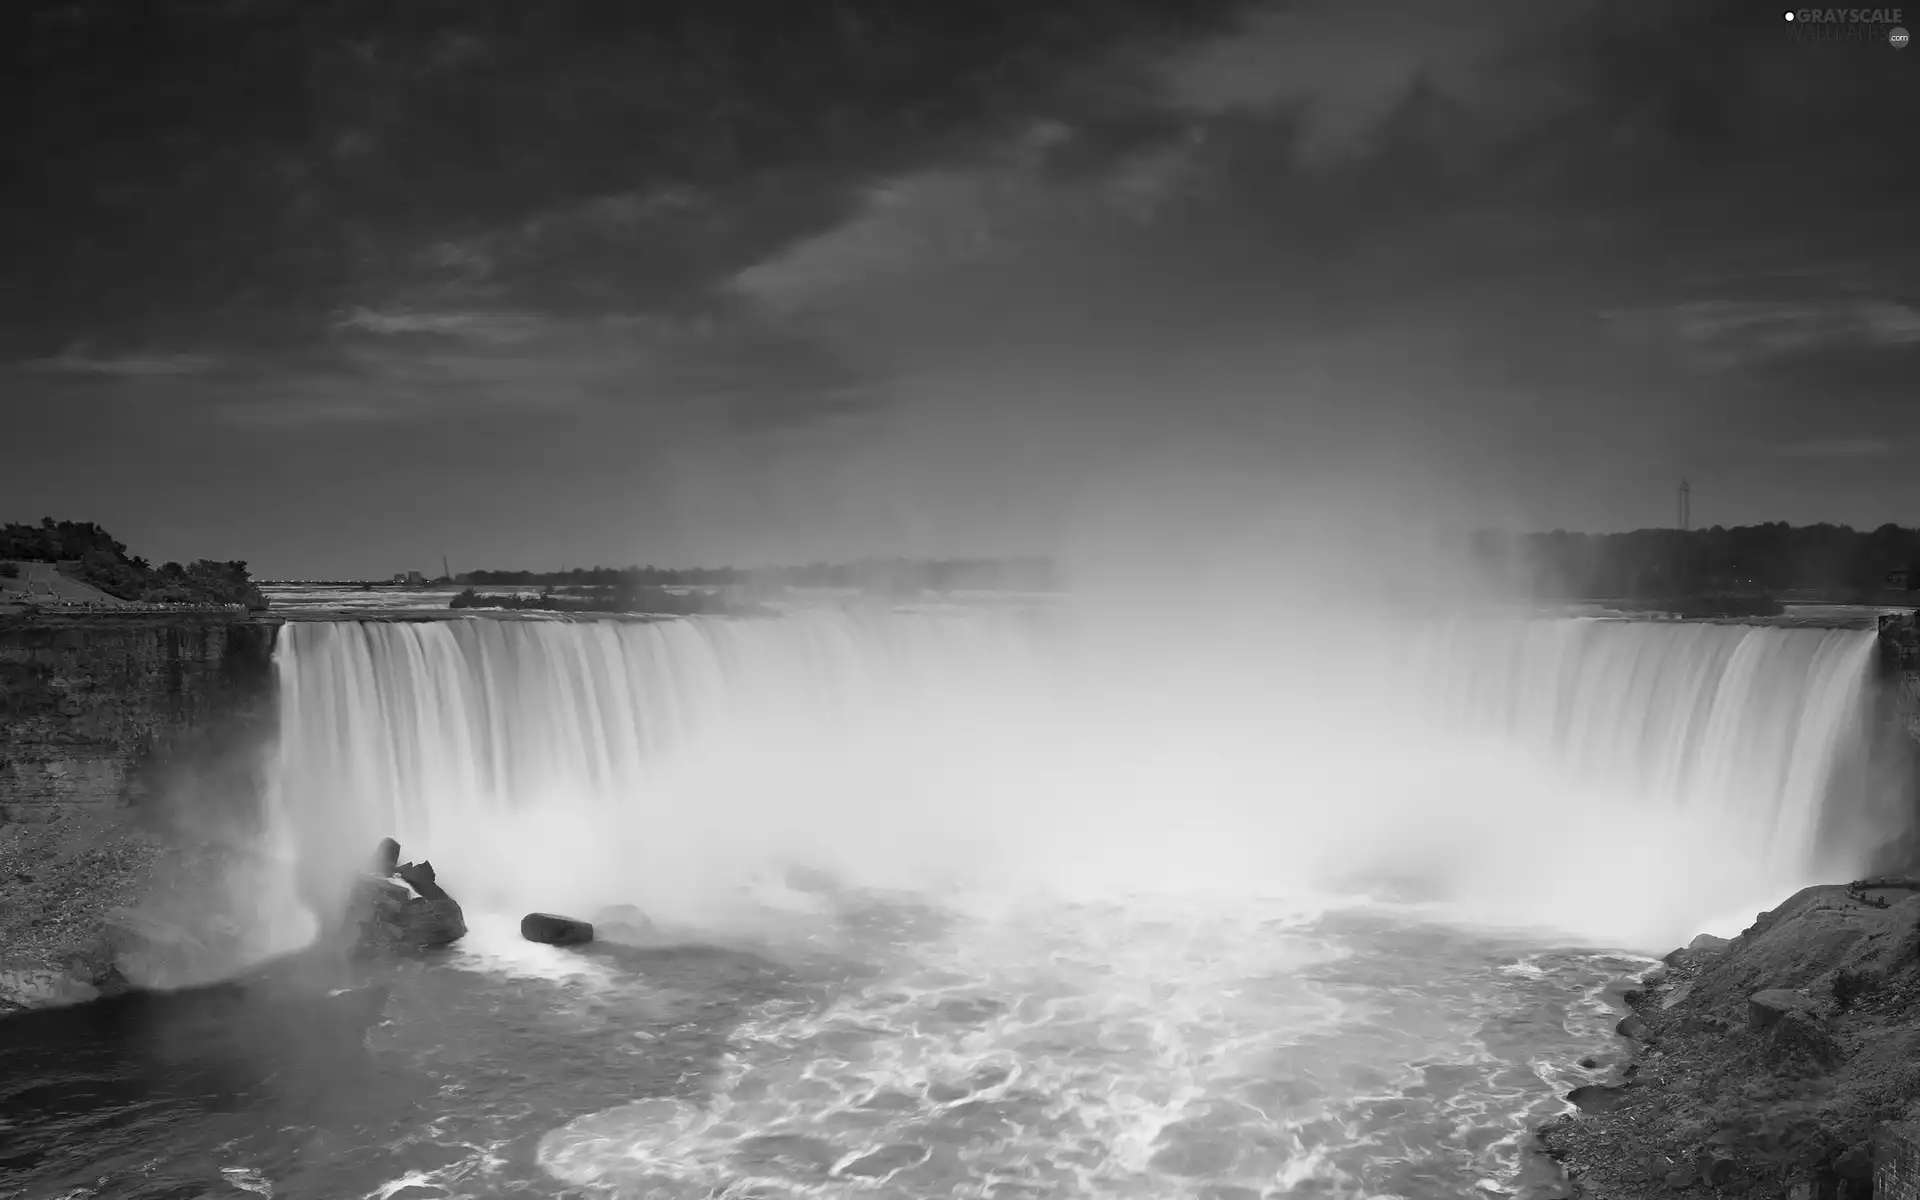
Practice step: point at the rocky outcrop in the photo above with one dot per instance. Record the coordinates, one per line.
(401, 906)
(1769, 1066)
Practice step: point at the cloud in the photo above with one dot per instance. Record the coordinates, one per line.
(131, 366)
(1343, 68)
(1727, 333)
(410, 365)
(925, 222)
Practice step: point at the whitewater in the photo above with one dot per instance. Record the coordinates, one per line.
(1008, 903)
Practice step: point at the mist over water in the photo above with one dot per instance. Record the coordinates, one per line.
(1624, 784)
(1058, 897)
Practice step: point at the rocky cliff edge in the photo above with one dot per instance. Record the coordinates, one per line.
(1781, 1064)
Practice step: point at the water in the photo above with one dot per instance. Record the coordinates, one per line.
(993, 904)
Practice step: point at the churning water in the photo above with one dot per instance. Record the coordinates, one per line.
(1005, 904)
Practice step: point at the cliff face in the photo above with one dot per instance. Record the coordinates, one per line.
(130, 754)
(92, 708)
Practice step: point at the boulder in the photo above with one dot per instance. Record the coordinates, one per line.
(1799, 1044)
(1718, 1167)
(1702, 947)
(624, 923)
(405, 909)
(388, 915)
(1766, 1008)
(1631, 1026)
(555, 930)
(1597, 1097)
(27, 986)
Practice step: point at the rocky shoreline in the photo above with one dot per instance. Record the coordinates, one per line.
(93, 904)
(1785, 1063)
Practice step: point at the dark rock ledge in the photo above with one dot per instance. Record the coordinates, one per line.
(1785, 1064)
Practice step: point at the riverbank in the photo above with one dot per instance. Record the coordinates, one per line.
(1782, 1064)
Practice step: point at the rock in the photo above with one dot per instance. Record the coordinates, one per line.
(1676, 996)
(1854, 1168)
(624, 923)
(1717, 1167)
(41, 987)
(1654, 977)
(555, 930)
(1631, 1026)
(405, 909)
(1680, 1178)
(1798, 1042)
(388, 915)
(1597, 1097)
(1767, 1007)
(420, 877)
(1703, 947)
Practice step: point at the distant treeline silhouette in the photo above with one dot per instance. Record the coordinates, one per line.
(900, 574)
(1745, 560)
(93, 556)
(616, 599)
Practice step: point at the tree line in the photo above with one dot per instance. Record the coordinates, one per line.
(898, 574)
(90, 554)
(1648, 564)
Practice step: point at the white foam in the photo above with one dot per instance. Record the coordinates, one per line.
(493, 944)
(1615, 782)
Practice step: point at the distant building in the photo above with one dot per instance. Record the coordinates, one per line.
(411, 578)
(1899, 579)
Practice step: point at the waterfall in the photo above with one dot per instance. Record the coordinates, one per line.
(1745, 725)
(1517, 769)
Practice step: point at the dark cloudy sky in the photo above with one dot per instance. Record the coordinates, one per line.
(337, 286)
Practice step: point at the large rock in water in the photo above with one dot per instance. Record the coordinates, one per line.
(626, 924)
(401, 906)
(555, 930)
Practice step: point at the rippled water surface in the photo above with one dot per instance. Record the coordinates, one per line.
(871, 1048)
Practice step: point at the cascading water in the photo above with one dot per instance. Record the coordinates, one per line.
(587, 763)
(1198, 905)
(1744, 725)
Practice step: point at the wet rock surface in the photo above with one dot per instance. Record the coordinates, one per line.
(555, 930)
(1767, 1066)
(401, 906)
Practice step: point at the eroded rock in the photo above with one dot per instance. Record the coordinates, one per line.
(1753, 1044)
(1597, 1097)
(404, 910)
(1766, 1008)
